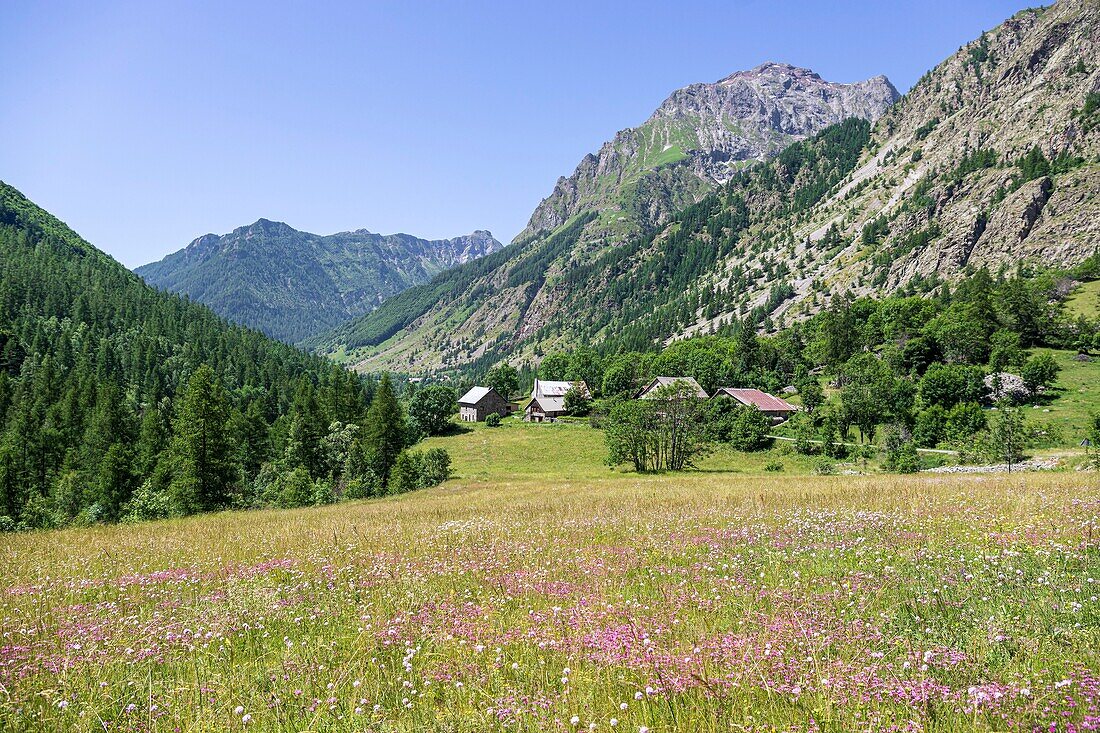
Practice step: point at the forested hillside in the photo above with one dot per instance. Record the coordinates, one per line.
(118, 401)
(991, 160)
(291, 284)
(899, 372)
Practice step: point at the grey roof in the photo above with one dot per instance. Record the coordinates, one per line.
(549, 404)
(659, 382)
(475, 395)
(546, 388)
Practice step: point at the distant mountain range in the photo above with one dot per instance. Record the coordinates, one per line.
(678, 227)
(292, 284)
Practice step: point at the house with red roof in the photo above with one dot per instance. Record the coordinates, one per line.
(776, 409)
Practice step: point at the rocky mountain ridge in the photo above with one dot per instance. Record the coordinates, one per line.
(292, 284)
(991, 160)
(698, 137)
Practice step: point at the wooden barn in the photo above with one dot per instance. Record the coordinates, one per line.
(778, 410)
(548, 400)
(480, 402)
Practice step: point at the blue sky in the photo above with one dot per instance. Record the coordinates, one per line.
(146, 124)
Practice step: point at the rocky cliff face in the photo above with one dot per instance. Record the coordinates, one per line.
(696, 140)
(949, 162)
(991, 160)
(292, 284)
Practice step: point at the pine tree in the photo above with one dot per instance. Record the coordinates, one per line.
(250, 430)
(204, 473)
(152, 437)
(384, 433)
(114, 482)
(308, 427)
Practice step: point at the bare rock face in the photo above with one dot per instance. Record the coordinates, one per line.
(1024, 86)
(943, 177)
(696, 140)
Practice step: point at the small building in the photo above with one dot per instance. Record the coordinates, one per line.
(687, 383)
(480, 402)
(548, 399)
(776, 409)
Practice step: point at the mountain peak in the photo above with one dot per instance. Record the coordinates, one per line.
(773, 69)
(267, 227)
(696, 140)
(293, 284)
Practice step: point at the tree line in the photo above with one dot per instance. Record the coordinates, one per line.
(903, 372)
(121, 402)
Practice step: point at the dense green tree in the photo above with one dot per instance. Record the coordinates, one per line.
(251, 437)
(618, 379)
(812, 394)
(664, 433)
(384, 434)
(114, 482)
(930, 427)
(504, 379)
(577, 402)
(873, 395)
(1040, 372)
(153, 437)
(585, 365)
(949, 384)
(308, 427)
(750, 429)
(963, 421)
(1006, 351)
(204, 474)
(554, 366)
(432, 407)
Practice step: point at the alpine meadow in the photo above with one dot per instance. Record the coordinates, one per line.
(780, 413)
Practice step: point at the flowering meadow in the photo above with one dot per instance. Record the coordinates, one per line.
(700, 602)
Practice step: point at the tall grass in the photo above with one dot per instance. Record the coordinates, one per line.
(698, 602)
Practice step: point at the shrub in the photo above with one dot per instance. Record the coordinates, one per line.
(492, 420)
(361, 487)
(293, 489)
(37, 514)
(750, 429)
(146, 503)
(1040, 372)
(435, 467)
(901, 453)
(322, 493)
(824, 467)
(405, 474)
(7, 524)
(774, 465)
(419, 470)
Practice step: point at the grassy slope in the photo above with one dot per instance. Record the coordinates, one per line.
(1085, 300)
(521, 452)
(1075, 399)
(751, 603)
